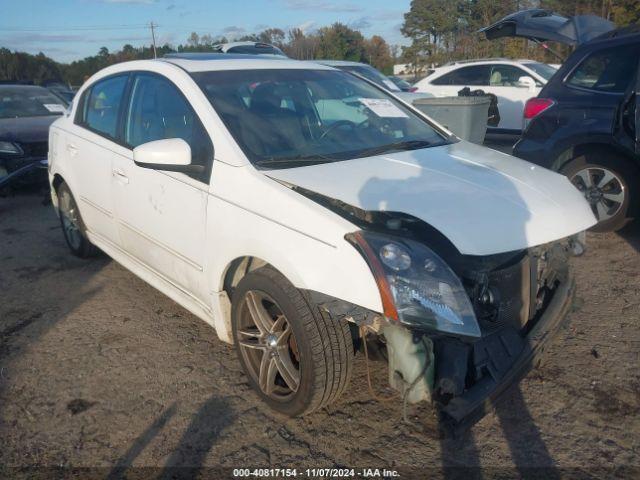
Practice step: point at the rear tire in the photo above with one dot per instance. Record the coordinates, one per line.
(297, 358)
(609, 183)
(72, 225)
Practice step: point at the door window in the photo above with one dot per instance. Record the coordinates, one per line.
(476, 75)
(506, 76)
(609, 70)
(102, 105)
(159, 111)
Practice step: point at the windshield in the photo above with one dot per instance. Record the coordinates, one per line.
(402, 84)
(372, 74)
(542, 69)
(29, 102)
(281, 118)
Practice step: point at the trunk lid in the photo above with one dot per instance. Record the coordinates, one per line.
(544, 25)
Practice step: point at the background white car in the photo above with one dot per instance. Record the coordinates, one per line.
(375, 76)
(512, 81)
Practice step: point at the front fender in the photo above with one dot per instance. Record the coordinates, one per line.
(250, 215)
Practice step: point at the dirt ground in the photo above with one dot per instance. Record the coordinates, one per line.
(98, 369)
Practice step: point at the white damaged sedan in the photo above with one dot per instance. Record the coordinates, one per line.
(307, 214)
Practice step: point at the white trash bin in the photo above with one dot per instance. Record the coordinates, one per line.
(464, 116)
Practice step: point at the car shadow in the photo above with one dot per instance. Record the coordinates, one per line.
(187, 459)
(528, 450)
(124, 463)
(42, 284)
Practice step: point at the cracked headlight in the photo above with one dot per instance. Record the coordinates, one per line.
(10, 148)
(417, 287)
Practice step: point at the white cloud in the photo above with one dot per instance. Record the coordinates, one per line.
(321, 5)
(306, 26)
(233, 31)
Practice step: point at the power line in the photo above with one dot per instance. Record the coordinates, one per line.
(75, 28)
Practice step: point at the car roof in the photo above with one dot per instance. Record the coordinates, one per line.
(203, 62)
(519, 61)
(19, 86)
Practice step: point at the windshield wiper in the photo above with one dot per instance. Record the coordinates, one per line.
(405, 145)
(301, 159)
(317, 158)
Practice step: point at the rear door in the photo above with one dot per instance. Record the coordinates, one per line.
(90, 145)
(162, 215)
(627, 131)
(596, 94)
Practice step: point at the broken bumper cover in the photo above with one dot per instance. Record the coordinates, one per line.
(24, 168)
(470, 406)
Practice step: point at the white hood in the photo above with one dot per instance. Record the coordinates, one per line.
(483, 201)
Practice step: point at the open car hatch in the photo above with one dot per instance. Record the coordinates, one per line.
(544, 25)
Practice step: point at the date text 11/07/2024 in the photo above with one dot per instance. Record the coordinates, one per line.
(316, 472)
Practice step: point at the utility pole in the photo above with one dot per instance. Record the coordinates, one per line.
(153, 36)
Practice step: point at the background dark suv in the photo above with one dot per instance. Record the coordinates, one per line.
(583, 124)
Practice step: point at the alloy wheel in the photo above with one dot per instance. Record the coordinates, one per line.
(268, 346)
(603, 189)
(70, 220)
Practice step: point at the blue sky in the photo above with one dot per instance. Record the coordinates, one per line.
(67, 30)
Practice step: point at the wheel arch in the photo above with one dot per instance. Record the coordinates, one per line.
(574, 151)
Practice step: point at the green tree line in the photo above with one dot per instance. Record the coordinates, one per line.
(337, 42)
(446, 30)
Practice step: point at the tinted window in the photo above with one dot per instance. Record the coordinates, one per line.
(372, 74)
(608, 70)
(258, 49)
(158, 111)
(103, 103)
(285, 117)
(506, 75)
(477, 75)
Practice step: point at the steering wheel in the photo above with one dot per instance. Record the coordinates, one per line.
(340, 123)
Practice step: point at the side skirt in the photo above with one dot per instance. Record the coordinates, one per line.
(158, 281)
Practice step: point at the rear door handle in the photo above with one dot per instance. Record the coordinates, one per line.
(120, 176)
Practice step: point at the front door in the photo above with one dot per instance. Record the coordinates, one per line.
(162, 215)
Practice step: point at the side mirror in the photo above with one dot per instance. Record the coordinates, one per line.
(527, 82)
(171, 155)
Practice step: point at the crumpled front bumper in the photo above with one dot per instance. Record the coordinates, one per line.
(467, 408)
(25, 167)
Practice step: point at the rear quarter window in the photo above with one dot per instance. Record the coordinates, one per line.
(609, 70)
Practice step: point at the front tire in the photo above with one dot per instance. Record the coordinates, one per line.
(297, 358)
(73, 227)
(609, 184)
